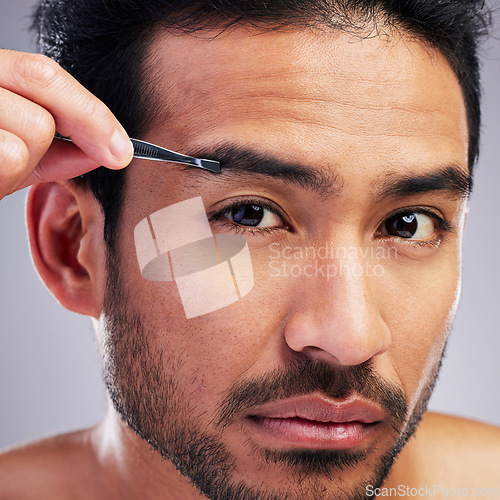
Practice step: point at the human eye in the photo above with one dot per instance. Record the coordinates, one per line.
(415, 225)
(254, 215)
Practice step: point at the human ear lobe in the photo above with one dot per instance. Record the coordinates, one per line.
(65, 233)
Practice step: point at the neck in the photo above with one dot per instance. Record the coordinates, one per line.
(130, 468)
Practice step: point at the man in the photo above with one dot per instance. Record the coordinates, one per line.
(347, 134)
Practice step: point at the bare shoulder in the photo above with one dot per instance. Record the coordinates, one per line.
(454, 436)
(47, 469)
(449, 450)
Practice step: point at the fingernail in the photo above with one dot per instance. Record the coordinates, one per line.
(121, 147)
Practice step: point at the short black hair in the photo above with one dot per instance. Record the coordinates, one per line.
(104, 45)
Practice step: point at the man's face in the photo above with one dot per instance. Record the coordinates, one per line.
(308, 385)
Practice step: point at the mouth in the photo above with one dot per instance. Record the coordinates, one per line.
(316, 422)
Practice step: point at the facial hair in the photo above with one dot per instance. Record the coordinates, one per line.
(146, 389)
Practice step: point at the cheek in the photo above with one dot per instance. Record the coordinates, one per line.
(212, 351)
(234, 342)
(418, 307)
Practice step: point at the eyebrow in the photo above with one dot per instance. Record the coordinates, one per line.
(241, 161)
(451, 179)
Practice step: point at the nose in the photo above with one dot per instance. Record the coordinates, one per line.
(337, 319)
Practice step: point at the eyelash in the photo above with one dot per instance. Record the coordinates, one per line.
(219, 217)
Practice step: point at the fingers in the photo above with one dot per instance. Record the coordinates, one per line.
(38, 97)
(29, 122)
(45, 159)
(77, 113)
(14, 156)
(62, 160)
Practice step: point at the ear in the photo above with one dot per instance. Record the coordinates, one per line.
(65, 228)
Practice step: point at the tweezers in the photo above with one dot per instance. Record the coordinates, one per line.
(147, 151)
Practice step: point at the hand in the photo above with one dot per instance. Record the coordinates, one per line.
(37, 97)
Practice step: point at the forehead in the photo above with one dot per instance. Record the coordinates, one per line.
(329, 80)
(326, 97)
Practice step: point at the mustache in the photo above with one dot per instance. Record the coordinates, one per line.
(306, 377)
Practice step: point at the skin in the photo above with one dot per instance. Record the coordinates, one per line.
(358, 111)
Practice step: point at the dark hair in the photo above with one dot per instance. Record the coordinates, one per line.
(104, 43)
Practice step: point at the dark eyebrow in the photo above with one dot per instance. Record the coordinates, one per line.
(451, 179)
(238, 160)
(243, 161)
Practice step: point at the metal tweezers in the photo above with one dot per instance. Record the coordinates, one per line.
(147, 151)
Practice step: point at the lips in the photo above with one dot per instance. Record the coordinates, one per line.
(316, 422)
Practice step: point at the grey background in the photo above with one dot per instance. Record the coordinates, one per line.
(49, 367)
